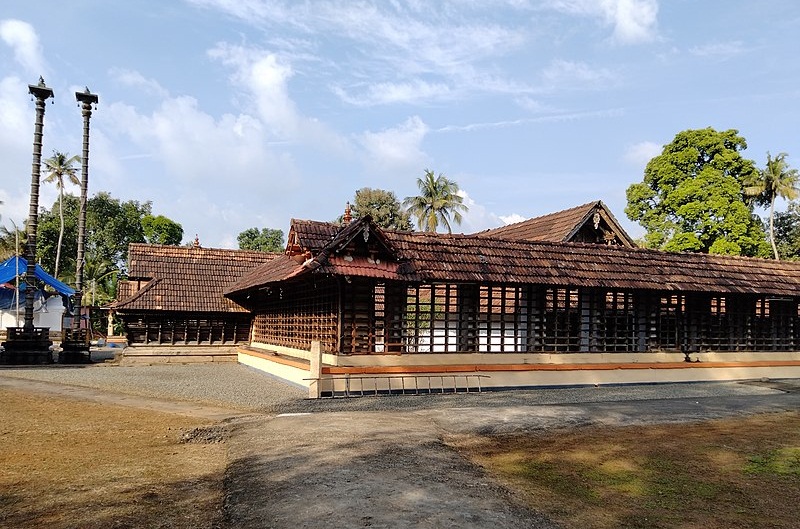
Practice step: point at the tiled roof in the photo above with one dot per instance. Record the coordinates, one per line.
(310, 235)
(281, 268)
(559, 226)
(180, 278)
(470, 258)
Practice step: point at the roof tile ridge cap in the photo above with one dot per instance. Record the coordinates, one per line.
(543, 217)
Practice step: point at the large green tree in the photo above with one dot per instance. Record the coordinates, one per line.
(787, 231)
(692, 196)
(776, 180)
(159, 229)
(263, 240)
(383, 206)
(437, 203)
(111, 225)
(57, 168)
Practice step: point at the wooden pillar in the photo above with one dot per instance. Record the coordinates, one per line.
(590, 302)
(110, 329)
(468, 296)
(315, 370)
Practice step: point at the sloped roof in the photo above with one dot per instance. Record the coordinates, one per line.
(310, 235)
(560, 226)
(471, 258)
(185, 278)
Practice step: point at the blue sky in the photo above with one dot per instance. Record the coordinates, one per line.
(231, 114)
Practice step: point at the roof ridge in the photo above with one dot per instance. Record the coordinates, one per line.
(545, 216)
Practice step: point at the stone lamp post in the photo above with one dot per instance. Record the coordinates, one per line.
(28, 344)
(75, 344)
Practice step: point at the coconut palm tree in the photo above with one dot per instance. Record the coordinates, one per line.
(776, 180)
(100, 275)
(11, 240)
(437, 202)
(58, 167)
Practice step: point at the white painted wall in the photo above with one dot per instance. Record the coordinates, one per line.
(46, 314)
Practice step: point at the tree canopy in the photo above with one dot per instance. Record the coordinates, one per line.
(787, 232)
(383, 206)
(437, 203)
(161, 230)
(263, 240)
(692, 196)
(111, 225)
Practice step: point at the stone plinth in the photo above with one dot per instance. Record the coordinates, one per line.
(25, 347)
(75, 347)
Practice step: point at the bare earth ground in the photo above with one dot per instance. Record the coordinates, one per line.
(72, 463)
(76, 457)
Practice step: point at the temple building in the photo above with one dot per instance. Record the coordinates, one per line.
(514, 310)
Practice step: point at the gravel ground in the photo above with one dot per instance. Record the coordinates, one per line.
(242, 388)
(383, 462)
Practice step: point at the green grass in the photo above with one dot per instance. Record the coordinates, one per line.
(780, 462)
(732, 473)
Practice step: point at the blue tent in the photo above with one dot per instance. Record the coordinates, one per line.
(16, 265)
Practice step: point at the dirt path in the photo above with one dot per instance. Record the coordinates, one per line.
(395, 468)
(188, 409)
(367, 469)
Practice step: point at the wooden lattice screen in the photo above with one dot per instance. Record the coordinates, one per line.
(296, 315)
(365, 316)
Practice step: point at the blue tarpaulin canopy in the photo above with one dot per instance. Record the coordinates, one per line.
(16, 265)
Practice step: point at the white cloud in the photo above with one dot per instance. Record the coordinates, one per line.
(718, 49)
(264, 78)
(186, 160)
(397, 44)
(412, 91)
(16, 133)
(534, 106)
(634, 21)
(561, 74)
(137, 80)
(477, 218)
(556, 117)
(512, 219)
(14, 113)
(22, 38)
(641, 153)
(398, 147)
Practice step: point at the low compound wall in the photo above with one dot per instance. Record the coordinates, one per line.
(399, 373)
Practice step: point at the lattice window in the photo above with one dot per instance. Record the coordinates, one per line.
(431, 319)
(670, 323)
(500, 326)
(617, 323)
(561, 320)
(773, 324)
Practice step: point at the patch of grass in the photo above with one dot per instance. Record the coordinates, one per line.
(692, 475)
(781, 462)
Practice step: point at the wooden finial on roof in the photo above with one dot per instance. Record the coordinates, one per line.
(348, 216)
(196, 243)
